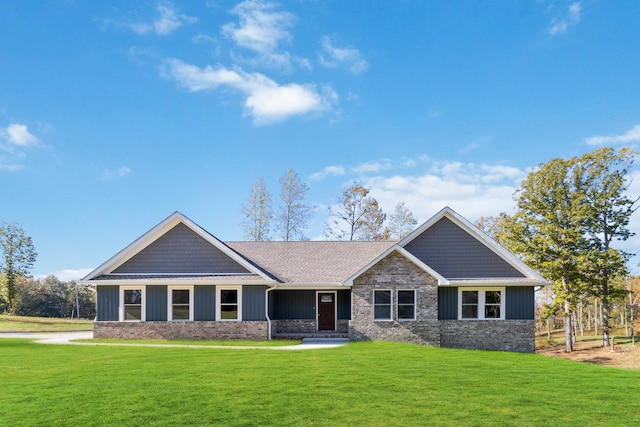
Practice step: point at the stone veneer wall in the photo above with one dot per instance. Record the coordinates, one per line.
(181, 330)
(304, 326)
(395, 272)
(507, 335)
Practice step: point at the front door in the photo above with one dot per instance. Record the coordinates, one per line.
(326, 311)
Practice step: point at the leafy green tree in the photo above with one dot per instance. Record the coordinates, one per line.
(569, 212)
(547, 231)
(293, 215)
(401, 223)
(258, 213)
(605, 176)
(357, 216)
(18, 257)
(495, 227)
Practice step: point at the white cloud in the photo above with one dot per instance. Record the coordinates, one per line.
(561, 24)
(15, 139)
(19, 135)
(266, 101)
(67, 275)
(328, 171)
(121, 172)
(470, 189)
(631, 136)
(261, 27)
(346, 57)
(168, 20)
(375, 166)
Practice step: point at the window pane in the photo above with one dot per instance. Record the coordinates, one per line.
(492, 297)
(228, 312)
(229, 296)
(382, 297)
(382, 312)
(405, 312)
(133, 296)
(469, 297)
(406, 297)
(180, 312)
(132, 312)
(180, 296)
(492, 312)
(469, 311)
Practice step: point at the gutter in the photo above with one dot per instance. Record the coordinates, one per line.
(266, 311)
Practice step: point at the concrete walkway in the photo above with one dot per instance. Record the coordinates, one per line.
(70, 337)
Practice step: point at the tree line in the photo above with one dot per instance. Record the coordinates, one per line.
(24, 296)
(356, 216)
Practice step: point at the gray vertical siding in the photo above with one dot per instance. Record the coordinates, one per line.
(204, 301)
(344, 305)
(520, 303)
(156, 303)
(180, 250)
(253, 303)
(447, 303)
(454, 253)
(292, 305)
(107, 303)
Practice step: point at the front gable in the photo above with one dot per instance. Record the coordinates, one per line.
(181, 251)
(455, 253)
(177, 247)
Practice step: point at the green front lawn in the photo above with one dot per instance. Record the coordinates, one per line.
(42, 324)
(360, 384)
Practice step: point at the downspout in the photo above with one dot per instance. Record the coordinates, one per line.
(266, 311)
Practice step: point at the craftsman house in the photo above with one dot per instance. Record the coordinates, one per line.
(446, 284)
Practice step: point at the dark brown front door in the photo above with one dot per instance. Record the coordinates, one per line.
(326, 311)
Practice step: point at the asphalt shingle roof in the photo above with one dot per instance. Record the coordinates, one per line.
(311, 261)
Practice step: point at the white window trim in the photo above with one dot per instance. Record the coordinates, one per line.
(415, 305)
(170, 302)
(219, 289)
(373, 305)
(481, 302)
(143, 311)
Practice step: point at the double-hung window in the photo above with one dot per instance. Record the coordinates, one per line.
(180, 302)
(132, 303)
(481, 303)
(381, 304)
(406, 304)
(229, 303)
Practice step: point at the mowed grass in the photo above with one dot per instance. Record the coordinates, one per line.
(360, 384)
(42, 324)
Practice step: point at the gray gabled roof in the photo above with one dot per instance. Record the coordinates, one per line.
(309, 262)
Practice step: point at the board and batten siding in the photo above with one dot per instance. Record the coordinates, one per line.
(204, 302)
(290, 305)
(253, 303)
(156, 303)
(181, 250)
(344, 305)
(519, 303)
(456, 254)
(107, 303)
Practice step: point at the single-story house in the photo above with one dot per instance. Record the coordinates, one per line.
(446, 284)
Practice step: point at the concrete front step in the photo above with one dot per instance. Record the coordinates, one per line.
(313, 335)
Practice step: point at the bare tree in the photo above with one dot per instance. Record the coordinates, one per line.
(293, 214)
(257, 213)
(357, 216)
(401, 223)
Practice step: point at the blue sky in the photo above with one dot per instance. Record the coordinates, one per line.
(115, 114)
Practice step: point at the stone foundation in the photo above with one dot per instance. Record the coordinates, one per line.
(301, 326)
(506, 335)
(181, 330)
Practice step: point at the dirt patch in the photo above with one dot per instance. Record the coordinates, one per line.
(623, 356)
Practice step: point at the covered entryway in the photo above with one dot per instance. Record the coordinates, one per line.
(326, 311)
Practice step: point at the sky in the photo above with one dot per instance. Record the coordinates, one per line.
(115, 114)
